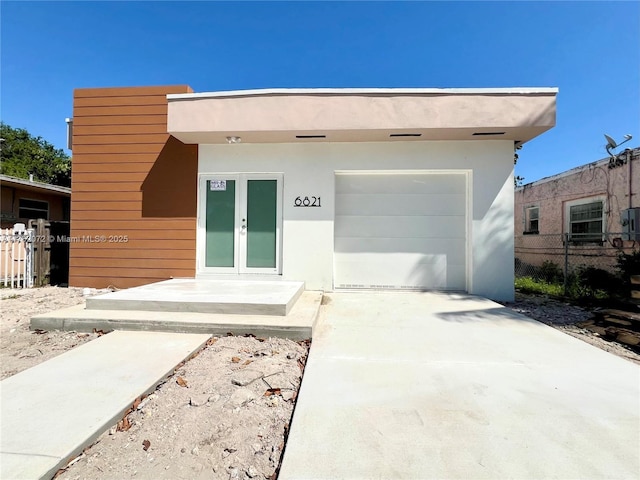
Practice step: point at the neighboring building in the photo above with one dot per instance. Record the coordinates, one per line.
(596, 207)
(340, 188)
(24, 200)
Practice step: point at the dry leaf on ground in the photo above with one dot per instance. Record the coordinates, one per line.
(182, 382)
(123, 425)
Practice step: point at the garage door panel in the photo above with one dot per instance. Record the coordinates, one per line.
(400, 226)
(401, 231)
(402, 183)
(389, 246)
(390, 273)
(408, 204)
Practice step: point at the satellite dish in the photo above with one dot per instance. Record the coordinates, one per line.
(611, 143)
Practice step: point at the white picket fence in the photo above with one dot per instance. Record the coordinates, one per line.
(16, 257)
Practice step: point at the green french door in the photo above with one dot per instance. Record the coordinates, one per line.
(239, 228)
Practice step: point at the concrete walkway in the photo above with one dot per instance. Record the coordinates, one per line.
(50, 412)
(421, 386)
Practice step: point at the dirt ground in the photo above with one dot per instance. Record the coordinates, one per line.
(224, 414)
(21, 348)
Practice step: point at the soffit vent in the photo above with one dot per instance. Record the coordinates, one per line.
(487, 134)
(405, 135)
(311, 136)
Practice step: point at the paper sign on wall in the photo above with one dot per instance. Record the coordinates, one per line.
(218, 185)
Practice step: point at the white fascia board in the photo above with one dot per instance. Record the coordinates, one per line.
(367, 91)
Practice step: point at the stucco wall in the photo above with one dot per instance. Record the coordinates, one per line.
(551, 196)
(309, 170)
(593, 180)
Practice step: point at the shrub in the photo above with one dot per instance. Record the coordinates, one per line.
(550, 272)
(600, 280)
(628, 264)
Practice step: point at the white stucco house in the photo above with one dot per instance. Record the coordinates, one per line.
(339, 188)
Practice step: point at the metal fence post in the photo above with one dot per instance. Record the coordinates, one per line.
(566, 264)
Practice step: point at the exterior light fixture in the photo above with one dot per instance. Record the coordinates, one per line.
(234, 139)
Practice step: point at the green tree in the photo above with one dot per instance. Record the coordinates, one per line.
(23, 154)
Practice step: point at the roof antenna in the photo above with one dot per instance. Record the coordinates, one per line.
(611, 143)
(614, 161)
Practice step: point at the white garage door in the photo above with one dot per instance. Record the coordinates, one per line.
(400, 231)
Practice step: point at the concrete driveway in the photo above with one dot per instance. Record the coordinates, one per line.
(420, 386)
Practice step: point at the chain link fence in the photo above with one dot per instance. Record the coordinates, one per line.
(558, 258)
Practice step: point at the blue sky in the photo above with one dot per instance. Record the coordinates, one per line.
(590, 50)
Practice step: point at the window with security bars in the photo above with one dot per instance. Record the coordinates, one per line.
(33, 209)
(586, 222)
(531, 226)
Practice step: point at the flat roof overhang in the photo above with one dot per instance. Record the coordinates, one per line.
(361, 115)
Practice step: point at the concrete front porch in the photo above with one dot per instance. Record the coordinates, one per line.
(214, 306)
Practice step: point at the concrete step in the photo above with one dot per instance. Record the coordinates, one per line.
(52, 411)
(297, 325)
(235, 297)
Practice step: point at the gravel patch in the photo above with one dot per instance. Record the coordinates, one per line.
(564, 317)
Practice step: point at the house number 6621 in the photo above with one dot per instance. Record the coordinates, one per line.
(306, 202)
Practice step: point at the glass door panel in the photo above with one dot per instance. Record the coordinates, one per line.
(261, 223)
(220, 223)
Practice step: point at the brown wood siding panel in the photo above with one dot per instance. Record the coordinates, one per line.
(137, 167)
(141, 273)
(117, 149)
(132, 206)
(130, 91)
(130, 178)
(106, 233)
(120, 100)
(79, 131)
(132, 137)
(105, 215)
(120, 111)
(82, 197)
(87, 158)
(106, 281)
(114, 176)
(128, 120)
(148, 263)
(186, 254)
(144, 224)
(135, 244)
(105, 186)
